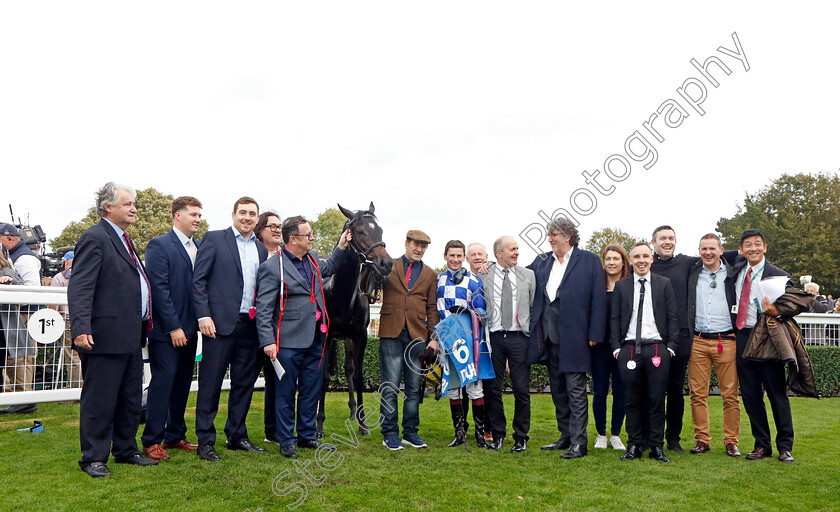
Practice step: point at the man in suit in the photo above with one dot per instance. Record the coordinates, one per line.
(110, 306)
(709, 303)
(172, 342)
(224, 291)
(293, 325)
(568, 316)
(644, 330)
(756, 377)
(407, 321)
(509, 292)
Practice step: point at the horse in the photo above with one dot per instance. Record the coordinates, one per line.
(348, 295)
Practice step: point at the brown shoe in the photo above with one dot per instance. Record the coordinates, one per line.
(732, 450)
(785, 456)
(758, 454)
(156, 452)
(700, 447)
(183, 444)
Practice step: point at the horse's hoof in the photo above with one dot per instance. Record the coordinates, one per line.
(319, 435)
(364, 431)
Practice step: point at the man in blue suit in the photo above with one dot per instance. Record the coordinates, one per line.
(568, 316)
(224, 290)
(172, 342)
(293, 325)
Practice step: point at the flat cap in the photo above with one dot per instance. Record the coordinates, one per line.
(9, 230)
(417, 236)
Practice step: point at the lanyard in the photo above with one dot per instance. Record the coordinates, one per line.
(755, 274)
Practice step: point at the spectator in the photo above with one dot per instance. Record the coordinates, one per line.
(820, 304)
(71, 357)
(476, 257)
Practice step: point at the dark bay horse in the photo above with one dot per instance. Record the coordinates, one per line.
(348, 295)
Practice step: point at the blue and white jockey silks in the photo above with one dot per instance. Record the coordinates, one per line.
(461, 338)
(469, 293)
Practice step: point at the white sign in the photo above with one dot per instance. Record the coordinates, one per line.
(46, 326)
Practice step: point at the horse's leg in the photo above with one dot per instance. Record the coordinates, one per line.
(349, 370)
(359, 345)
(325, 384)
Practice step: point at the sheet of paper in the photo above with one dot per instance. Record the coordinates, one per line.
(278, 368)
(772, 288)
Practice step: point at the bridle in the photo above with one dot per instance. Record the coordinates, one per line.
(370, 277)
(363, 255)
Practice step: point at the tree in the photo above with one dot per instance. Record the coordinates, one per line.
(327, 230)
(603, 237)
(154, 218)
(799, 216)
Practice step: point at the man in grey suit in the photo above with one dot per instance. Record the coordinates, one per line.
(292, 324)
(509, 292)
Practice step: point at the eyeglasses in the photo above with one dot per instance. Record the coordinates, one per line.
(274, 227)
(713, 284)
(309, 236)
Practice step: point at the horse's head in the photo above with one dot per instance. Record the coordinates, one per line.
(367, 240)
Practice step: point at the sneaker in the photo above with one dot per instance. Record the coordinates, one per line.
(414, 441)
(601, 442)
(392, 442)
(615, 443)
(267, 440)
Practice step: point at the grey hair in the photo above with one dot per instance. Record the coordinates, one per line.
(477, 244)
(565, 226)
(813, 286)
(499, 244)
(108, 195)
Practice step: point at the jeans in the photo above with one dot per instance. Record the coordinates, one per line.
(394, 356)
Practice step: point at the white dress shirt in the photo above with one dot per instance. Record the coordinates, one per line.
(498, 280)
(249, 258)
(558, 271)
(752, 310)
(649, 330)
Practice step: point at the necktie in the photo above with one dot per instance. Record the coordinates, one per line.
(408, 273)
(507, 301)
(191, 250)
(640, 312)
(142, 274)
(744, 301)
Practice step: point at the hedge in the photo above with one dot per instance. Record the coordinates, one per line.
(826, 362)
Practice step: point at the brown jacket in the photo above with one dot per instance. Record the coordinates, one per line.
(415, 309)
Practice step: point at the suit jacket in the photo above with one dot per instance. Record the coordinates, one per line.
(693, 277)
(526, 286)
(415, 309)
(170, 274)
(664, 310)
(738, 265)
(218, 280)
(582, 299)
(104, 296)
(297, 329)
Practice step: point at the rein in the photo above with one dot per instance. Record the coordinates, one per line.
(372, 287)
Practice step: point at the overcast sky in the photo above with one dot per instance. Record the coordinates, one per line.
(461, 119)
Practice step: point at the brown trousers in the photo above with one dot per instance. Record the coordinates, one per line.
(704, 355)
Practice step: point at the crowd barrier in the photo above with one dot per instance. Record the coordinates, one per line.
(52, 373)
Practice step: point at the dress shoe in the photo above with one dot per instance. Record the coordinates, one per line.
(560, 444)
(732, 450)
(22, 409)
(245, 446)
(700, 447)
(758, 454)
(633, 452)
(497, 443)
(156, 452)
(576, 451)
(207, 452)
(785, 456)
(183, 444)
(309, 443)
(288, 451)
(658, 454)
(96, 469)
(135, 460)
(674, 446)
(519, 446)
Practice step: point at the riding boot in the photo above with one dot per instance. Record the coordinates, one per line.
(480, 421)
(459, 422)
(465, 406)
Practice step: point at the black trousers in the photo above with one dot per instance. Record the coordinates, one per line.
(675, 405)
(269, 416)
(169, 390)
(645, 388)
(568, 391)
(109, 412)
(756, 377)
(239, 350)
(511, 348)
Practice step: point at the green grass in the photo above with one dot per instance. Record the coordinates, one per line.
(39, 471)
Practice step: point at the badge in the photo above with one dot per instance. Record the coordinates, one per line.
(252, 312)
(324, 328)
(317, 315)
(631, 365)
(656, 360)
(734, 309)
(720, 348)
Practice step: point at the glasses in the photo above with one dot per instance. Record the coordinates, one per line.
(713, 284)
(309, 236)
(274, 227)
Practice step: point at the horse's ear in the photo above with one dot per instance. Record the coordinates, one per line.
(372, 208)
(347, 213)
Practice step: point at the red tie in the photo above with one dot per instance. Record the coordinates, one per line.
(744, 302)
(408, 274)
(142, 274)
